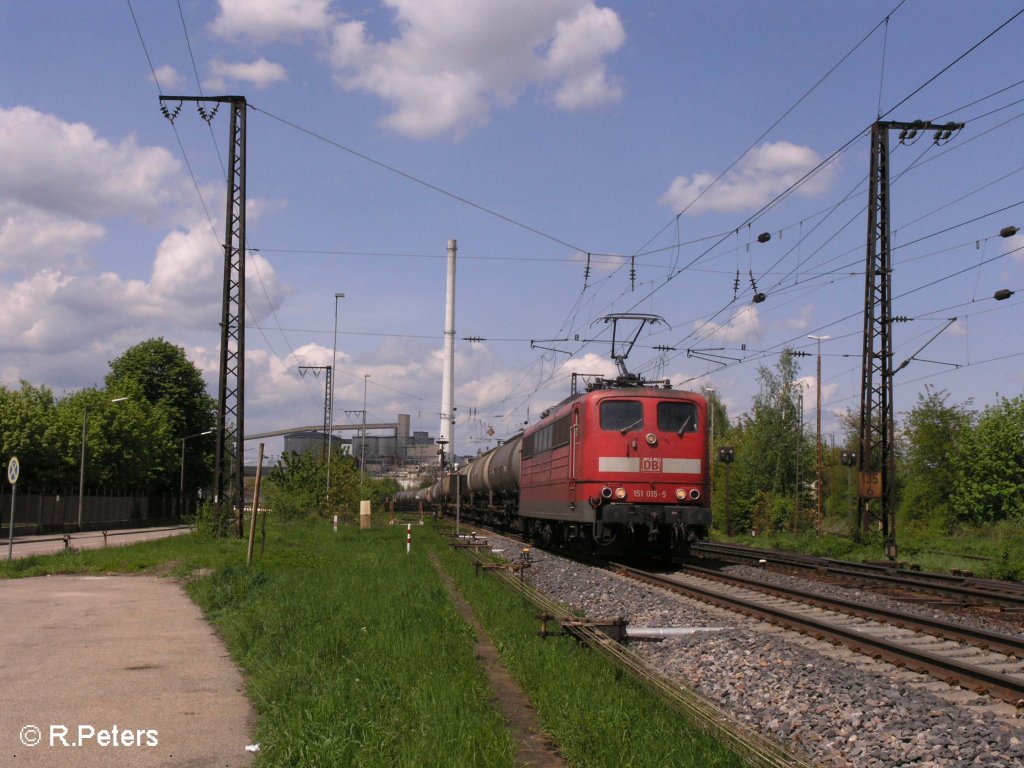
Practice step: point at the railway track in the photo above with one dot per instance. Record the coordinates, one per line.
(964, 590)
(976, 659)
(758, 750)
(952, 653)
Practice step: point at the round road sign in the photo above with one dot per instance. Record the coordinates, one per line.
(13, 468)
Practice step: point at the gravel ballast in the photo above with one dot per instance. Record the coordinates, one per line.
(840, 713)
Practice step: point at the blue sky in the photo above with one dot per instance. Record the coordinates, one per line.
(534, 133)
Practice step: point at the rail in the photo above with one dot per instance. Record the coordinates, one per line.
(758, 750)
(1007, 687)
(990, 591)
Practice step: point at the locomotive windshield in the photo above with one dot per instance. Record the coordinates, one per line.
(676, 416)
(622, 415)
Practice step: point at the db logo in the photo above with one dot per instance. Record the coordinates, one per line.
(650, 464)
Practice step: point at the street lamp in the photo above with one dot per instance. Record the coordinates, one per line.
(821, 460)
(334, 375)
(81, 468)
(362, 442)
(708, 393)
(188, 437)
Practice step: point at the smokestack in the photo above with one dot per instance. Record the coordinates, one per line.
(447, 431)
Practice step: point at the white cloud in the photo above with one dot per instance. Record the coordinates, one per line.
(187, 278)
(576, 58)
(802, 321)
(61, 182)
(1015, 247)
(743, 325)
(64, 168)
(32, 238)
(259, 73)
(453, 62)
(760, 176)
(168, 79)
(269, 20)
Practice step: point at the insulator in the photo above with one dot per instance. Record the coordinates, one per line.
(753, 282)
(1002, 293)
(736, 284)
(207, 116)
(764, 237)
(901, 319)
(168, 113)
(1008, 231)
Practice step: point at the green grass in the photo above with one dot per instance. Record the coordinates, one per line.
(597, 714)
(992, 551)
(355, 656)
(177, 555)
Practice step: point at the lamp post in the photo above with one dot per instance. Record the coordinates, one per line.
(362, 442)
(81, 467)
(849, 460)
(726, 455)
(708, 393)
(821, 460)
(334, 375)
(188, 437)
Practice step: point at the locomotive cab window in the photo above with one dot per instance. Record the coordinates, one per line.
(622, 415)
(676, 416)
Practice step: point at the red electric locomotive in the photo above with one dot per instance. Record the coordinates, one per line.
(621, 466)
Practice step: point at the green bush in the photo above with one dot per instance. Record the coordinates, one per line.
(212, 521)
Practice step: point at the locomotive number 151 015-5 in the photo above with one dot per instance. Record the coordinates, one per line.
(639, 493)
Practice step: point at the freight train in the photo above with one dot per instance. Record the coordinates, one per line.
(619, 467)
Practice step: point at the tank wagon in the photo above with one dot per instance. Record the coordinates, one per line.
(620, 467)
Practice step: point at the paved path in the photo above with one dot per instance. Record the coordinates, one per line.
(123, 666)
(48, 544)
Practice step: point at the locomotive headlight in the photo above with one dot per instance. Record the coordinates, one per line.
(606, 492)
(620, 493)
(694, 494)
(681, 494)
(651, 438)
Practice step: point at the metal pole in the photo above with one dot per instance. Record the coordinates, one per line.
(799, 460)
(255, 506)
(458, 497)
(334, 373)
(711, 452)
(10, 530)
(728, 507)
(188, 437)
(81, 467)
(820, 488)
(362, 442)
(820, 515)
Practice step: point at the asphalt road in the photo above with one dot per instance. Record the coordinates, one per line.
(115, 671)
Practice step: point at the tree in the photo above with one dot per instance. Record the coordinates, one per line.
(989, 477)
(25, 418)
(159, 373)
(297, 487)
(770, 447)
(932, 434)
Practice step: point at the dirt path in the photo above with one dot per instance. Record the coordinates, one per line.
(534, 749)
